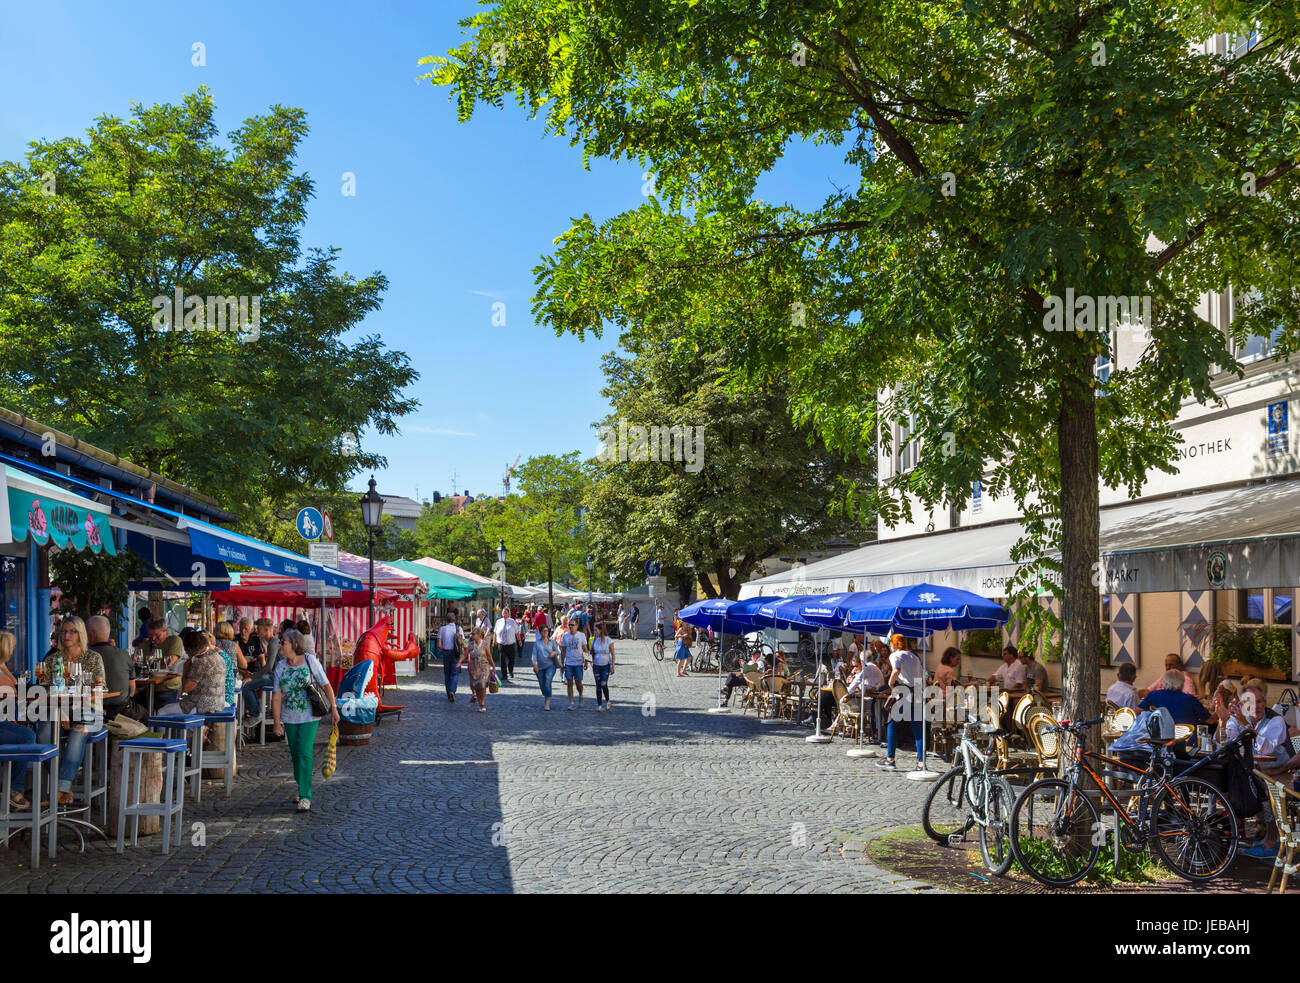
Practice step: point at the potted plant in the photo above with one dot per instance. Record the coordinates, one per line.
(982, 641)
(1264, 652)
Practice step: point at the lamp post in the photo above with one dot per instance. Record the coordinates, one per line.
(501, 559)
(372, 507)
(591, 565)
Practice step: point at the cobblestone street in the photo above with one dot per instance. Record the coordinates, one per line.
(517, 799)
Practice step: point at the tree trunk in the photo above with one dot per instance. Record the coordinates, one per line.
(1080, 603)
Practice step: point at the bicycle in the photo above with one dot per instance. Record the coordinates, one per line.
(658, 647)
(973, 793)
(1057, 833)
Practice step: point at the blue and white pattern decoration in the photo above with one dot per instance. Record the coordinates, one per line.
(1195, 624)
(1124, 629)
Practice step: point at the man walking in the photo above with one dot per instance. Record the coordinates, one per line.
(506, 631)
(574, 646)
(636, 620)
(447, 652)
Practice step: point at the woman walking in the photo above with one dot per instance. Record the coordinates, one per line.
(602, 665)
(292, 710)
(480, 667)
(546, 659)
(683, 647)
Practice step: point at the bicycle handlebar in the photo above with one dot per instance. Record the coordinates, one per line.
(1066, 725)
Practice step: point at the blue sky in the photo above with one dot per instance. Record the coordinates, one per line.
(456, 215)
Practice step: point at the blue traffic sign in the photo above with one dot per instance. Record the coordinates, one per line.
(652, 568)
(310, 524)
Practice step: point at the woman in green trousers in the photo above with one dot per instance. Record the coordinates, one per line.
(291, 709)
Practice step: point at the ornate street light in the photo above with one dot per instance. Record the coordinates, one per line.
(501, 559)
(372, 508)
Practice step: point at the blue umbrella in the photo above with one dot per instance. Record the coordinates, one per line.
(786, 615)
(825, 610)
(717, 613)
(922, 609)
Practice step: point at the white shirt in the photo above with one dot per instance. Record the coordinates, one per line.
(506, 630)
(573, 644)
(908, 664)
(659, 616)
(600, 652)
(869, 678)
(1010, 676)
(447, 637)
(1269, 733)
(1122, 694)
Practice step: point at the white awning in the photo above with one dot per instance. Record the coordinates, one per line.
(1225, 540)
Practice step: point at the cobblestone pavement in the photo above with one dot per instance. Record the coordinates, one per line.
(656, 796)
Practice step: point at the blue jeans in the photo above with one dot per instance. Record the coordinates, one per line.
(12, 733)
(545, 673)
(450, 670)
(907, 713)
(602, 682)
(253, 694)
(70, 757)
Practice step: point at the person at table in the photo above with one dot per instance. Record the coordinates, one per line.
(1251, 711)
(946, 674)
(1173, 663)
(1208, 680)
(75, 649)
(10, 731)
(1221, 708)
(866, 683)
(1122, 692)
(264, 653)
(225, 642)
(203, 688)
(119, 686)
(1035, 673)
(1010, 676)
(1185, 708)
(906, 679)
(173, 652)
(142, 617)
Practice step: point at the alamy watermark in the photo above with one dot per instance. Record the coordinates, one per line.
(637, 443)
(1090, 312)
(194, 313)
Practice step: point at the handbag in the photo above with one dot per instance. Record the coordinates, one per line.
(320, 704)
(493, 685)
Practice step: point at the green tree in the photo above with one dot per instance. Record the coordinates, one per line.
(1002, 152)
(95, 233)
(755, 486)
(460, 537)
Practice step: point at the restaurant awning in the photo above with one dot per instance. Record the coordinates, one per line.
(443, 585)
(1231, 539)
(172, 562)
(230, 547)
(50, 514)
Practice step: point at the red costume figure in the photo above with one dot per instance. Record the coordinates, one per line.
(374, 645)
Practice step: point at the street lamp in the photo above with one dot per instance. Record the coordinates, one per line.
(591, 565)
(372, 507)
(501, 559)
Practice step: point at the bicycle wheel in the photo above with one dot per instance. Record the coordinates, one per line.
(702, 662)
(995, 831)
(1194, 829)
(1053, 833)
(659, 649)
(734, 657)
(945, 812)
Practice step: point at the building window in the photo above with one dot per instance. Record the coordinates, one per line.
(1105, 364)
(906, 446)
(14, 571)
(1253, 348)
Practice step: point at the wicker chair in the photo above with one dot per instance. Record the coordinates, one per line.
(1286, 817)
(1125, 717)
(1047, 744)
(1007, 755)
(850, 712)
(750, 699)
(772, 696)
(1184, 731)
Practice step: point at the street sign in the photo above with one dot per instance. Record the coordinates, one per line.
(327, 526)
(326, 554)
(652, 568)
(310, 523)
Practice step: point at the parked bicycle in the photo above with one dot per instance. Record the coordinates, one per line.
(658, 647)
(1057, 833)
(973, 793)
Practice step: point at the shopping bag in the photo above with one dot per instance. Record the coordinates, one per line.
(493, 685)
(331, 754)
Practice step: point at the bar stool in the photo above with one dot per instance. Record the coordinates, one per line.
(39, 756)
(173, 802)
(225, 758)
(96, 749)
(264, 690)
(191, 725)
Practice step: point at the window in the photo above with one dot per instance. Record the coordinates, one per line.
(1255, 347)
(14, 572)
(907, 450)
(1106, 361)
(1261, 608)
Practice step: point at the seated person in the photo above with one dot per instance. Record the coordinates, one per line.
(946, 674)
(758, 665)
(1010, 676)
(173, 652)
(10, 731)
(1184, 707)
(1173, 662)
(74, 648)
(1252, 712)
(203, 688)
(1122, 692)
(1035, 673)
(119, 698)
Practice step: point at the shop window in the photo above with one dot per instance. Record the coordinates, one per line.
(14, 571)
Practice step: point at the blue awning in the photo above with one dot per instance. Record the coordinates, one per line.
(177, 562)
(230, 547)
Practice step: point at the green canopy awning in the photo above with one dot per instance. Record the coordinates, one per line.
(48, 513)
(443, 585)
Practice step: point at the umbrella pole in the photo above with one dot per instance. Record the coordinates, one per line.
(922, 773)
(819, 737)
(719, 708)
(860, 751)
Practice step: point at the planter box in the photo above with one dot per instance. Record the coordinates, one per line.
(1234, 668)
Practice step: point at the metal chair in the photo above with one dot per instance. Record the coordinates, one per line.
(191, 726)
(38, 756)
(173, 791)
(94, 771)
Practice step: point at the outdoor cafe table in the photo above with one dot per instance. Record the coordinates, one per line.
(800, 683)
(152, 682)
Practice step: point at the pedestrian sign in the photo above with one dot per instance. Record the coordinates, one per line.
(652, 568)
(310, 524)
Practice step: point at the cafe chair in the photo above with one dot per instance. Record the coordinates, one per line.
(94, 773)
(1125, 717)
(1047, 744)
(173, 790)
(1184, 731)
(44, 762)
(1285, 805)
(753, 682)
(849, 713)
(191, 727)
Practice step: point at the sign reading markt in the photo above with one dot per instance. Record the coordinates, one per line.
(326, 554)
